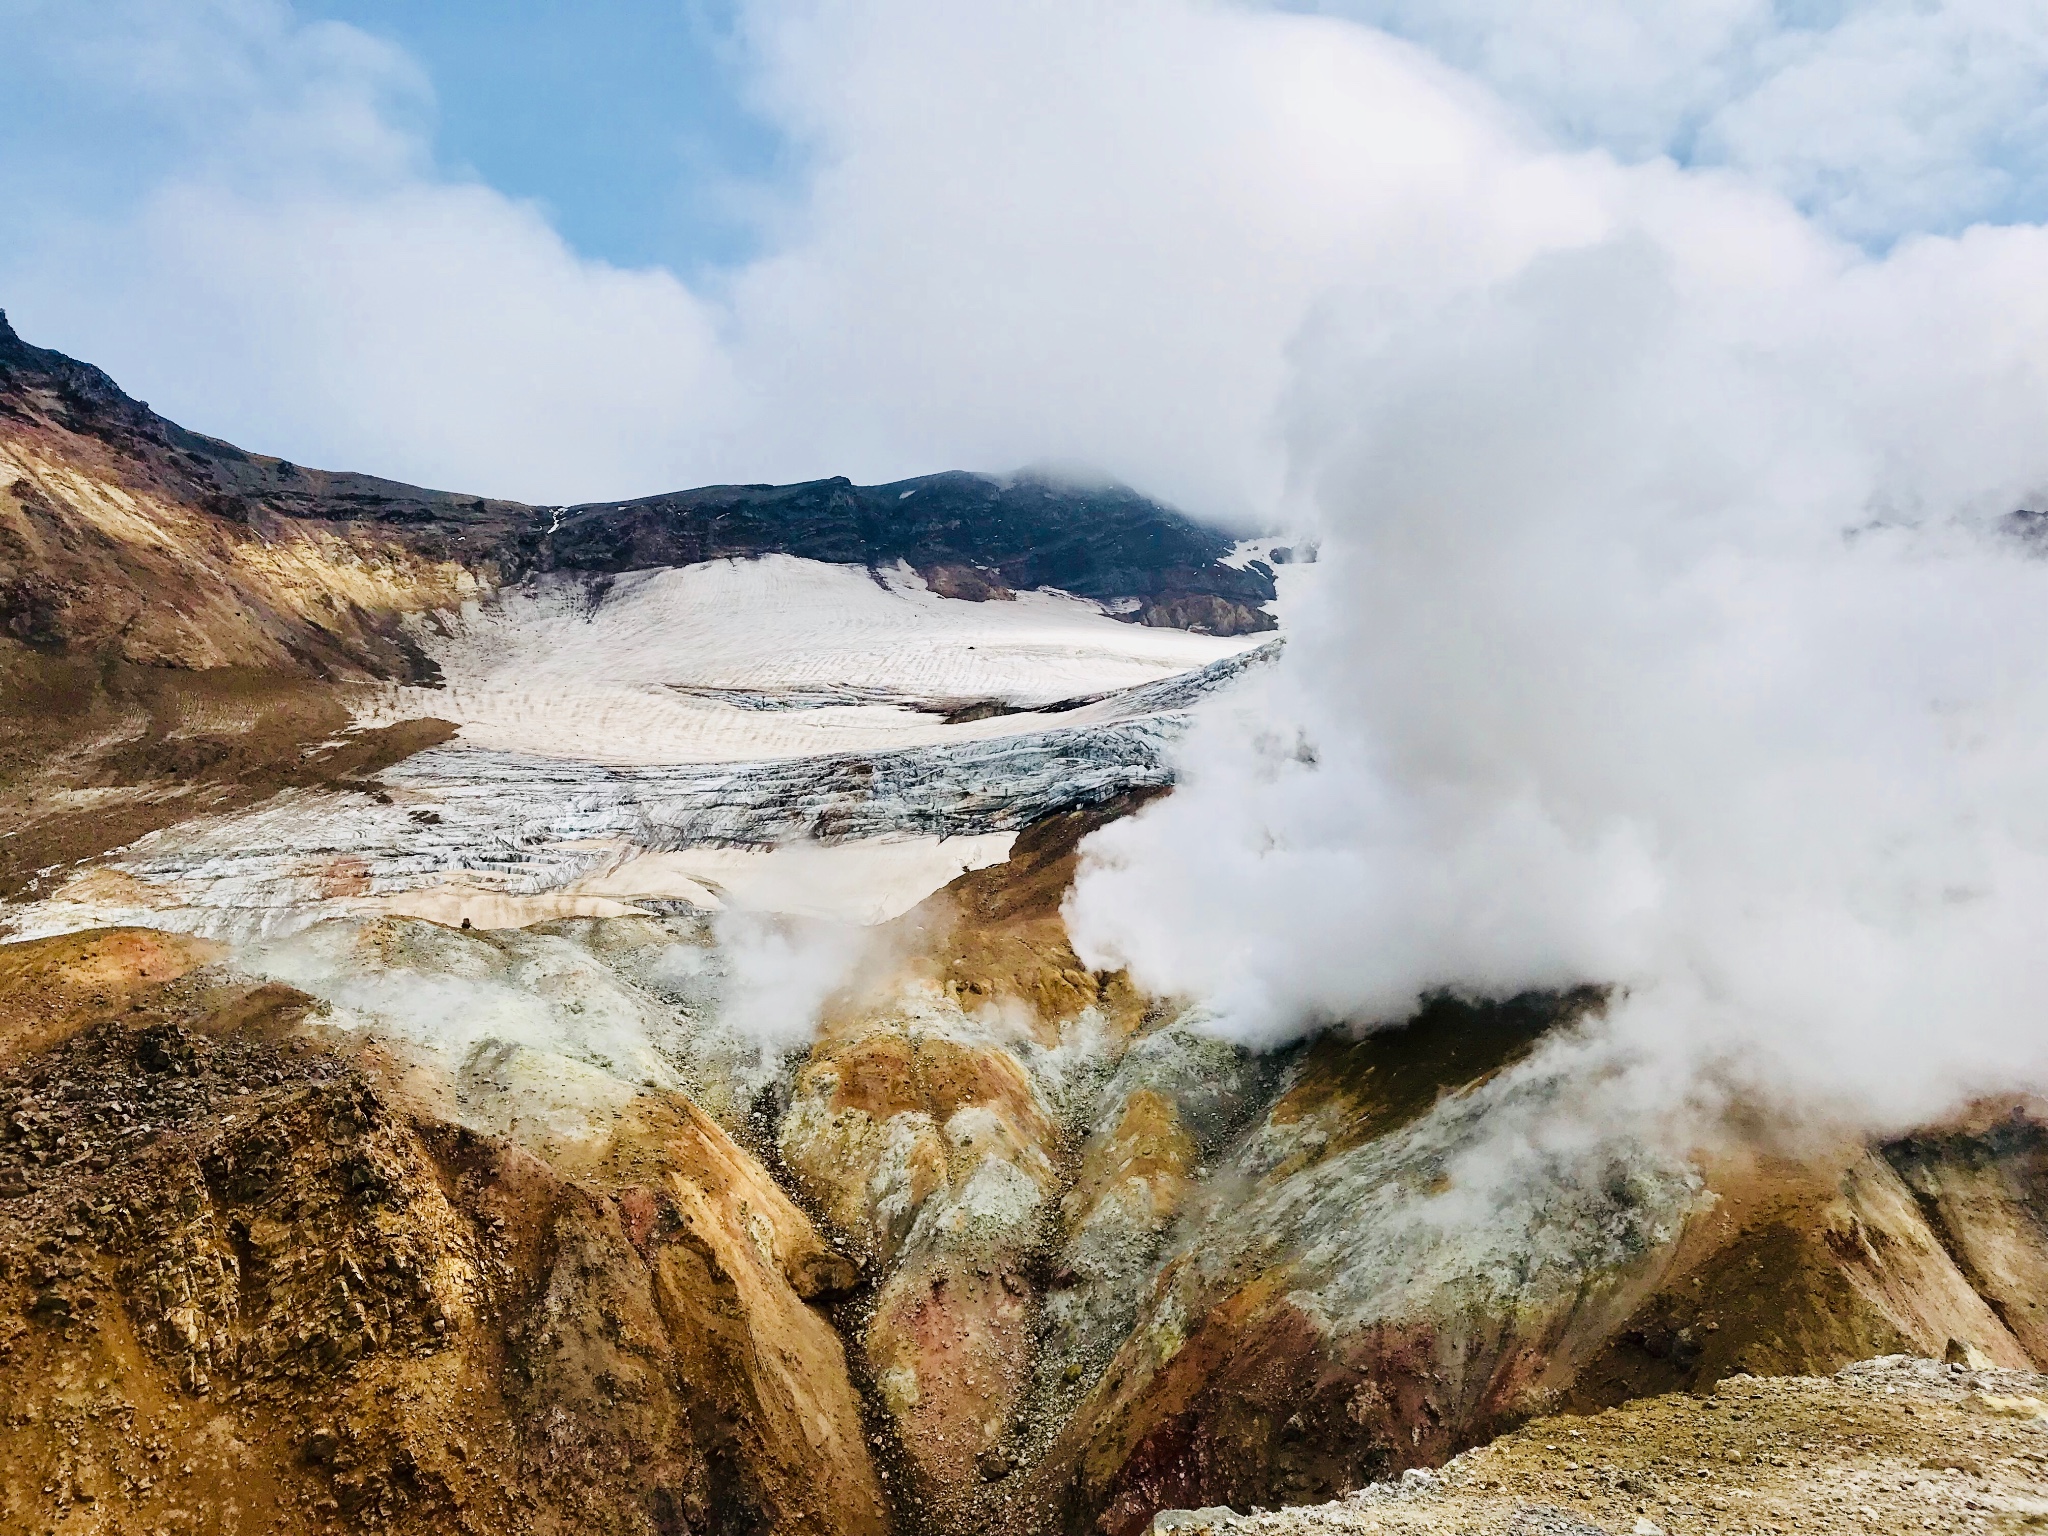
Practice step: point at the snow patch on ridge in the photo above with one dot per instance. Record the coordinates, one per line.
(741, 660)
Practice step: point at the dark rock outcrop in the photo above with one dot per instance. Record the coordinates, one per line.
(972, 536)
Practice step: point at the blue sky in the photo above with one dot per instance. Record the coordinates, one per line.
(625, 119)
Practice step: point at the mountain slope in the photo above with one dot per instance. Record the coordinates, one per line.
(124, 537)
(123, 534)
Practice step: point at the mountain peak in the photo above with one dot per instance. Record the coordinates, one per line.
(85, 393)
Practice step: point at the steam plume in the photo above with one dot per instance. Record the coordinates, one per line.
(1673, 633)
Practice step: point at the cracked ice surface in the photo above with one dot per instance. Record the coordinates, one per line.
(509, 838)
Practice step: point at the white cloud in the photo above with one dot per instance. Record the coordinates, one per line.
(1029, 231)
(433, 333)
(301, 281)
(1878, 116)
(241, 90)
(1088, 233)
(1901, 117)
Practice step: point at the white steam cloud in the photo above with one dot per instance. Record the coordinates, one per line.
(781, 971)
(1875, 116)
(1668, 635)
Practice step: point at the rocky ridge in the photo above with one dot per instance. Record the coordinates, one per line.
(123, 533)
(975, 537)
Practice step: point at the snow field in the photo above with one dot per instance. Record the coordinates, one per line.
(739, 660)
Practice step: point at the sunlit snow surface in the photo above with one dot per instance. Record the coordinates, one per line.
(768, 734)
(737, 660)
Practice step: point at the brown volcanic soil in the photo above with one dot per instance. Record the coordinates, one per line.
(249, 1281)
(996, 934)
(244, 1287)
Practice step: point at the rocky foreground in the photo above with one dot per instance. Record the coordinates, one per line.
(1897, 1444)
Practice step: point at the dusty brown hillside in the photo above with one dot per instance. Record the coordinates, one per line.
(179, 621)
(246, 1287)
(123, 536)
(95, 753)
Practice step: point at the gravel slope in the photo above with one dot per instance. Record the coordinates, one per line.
(1890, 1445)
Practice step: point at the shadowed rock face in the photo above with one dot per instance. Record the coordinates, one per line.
(971, 536)
(1983, 1189)
(1318, 1319)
